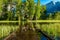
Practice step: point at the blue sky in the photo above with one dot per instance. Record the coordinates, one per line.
(46, 1)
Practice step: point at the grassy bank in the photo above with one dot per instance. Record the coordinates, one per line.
(5, 30)
(50, 28)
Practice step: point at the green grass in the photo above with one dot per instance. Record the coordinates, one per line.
(6, 29)
(51, 29)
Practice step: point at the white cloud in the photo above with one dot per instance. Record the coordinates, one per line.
(55, 1)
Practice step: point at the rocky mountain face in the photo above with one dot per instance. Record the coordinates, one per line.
(53, 7)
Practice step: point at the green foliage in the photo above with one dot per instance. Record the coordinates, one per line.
(19, 2)
(43, 12)
(38, 14)
(31, 9)
(54, 16)
(50, 16)
(1, 2)
(57, 15)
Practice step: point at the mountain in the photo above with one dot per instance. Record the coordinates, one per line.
(53, 7)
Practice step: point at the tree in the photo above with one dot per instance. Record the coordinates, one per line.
(25, 31)
(31, 9)
(38, 14)
(57, 15)
(43, 12)
(54, 16)
(1, 2)
(50, 16)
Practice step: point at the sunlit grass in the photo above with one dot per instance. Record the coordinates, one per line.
(6, 29)
(52, 29)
